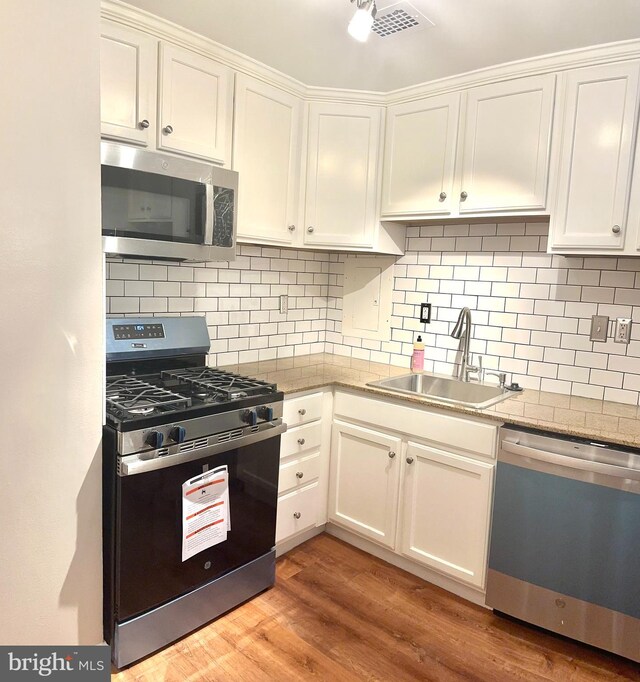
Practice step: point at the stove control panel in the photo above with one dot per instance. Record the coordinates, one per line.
(138, 331)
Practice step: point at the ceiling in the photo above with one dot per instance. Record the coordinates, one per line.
(308, 40)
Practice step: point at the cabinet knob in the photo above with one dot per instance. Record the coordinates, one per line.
(167, 130)
(409, 460)
(301, 441)
(391, 454)
(310, 229)
(292, 228)
(616, 229)
(463, 195)
(144, 123)
(299, 474)
(296, 515)
(302, 411)
(443, 196)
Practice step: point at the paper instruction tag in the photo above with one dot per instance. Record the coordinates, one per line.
(206, 517)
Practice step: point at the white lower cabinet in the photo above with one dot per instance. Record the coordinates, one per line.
(297, 511)
(446, 512)
(428, 501)
(363, 490)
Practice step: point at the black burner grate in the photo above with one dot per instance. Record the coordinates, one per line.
(226, 385)
(127, 396)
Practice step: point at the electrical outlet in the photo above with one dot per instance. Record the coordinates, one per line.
(599, 328)
(623, 330)
(425, 313)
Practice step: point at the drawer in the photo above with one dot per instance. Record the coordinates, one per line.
(300, 439)
(301, 410)
(298, 472)
(297, 511)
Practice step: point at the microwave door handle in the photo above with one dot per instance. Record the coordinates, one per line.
(208, 228)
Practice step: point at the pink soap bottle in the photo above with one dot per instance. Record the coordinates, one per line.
(417, 359)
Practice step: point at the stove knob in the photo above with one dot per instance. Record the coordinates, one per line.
(178, 434)
(155, 439)
(250, 417)
(266, 413)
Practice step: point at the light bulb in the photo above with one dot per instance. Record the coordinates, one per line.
(361, 23)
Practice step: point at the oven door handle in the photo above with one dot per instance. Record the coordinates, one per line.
(571, 462)
(134, 464)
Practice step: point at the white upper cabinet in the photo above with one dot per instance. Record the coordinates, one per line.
(597, 111)
(341, 199)
(267, 154)
(419, 156)
(195, 104)
(505, 156)
(127, 83)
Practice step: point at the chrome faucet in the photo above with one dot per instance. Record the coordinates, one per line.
(464, 323)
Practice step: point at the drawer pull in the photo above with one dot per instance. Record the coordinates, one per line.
(301, 441)
(302, 411)
(392, 454)
(409, 460)
(296, 515)
(299, 474)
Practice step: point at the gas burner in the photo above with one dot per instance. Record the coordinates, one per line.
(224, 386)
(130, 396)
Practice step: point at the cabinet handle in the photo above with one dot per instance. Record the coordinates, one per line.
(310, 229)
(443, 196)
(292, 228)
(299, 474)
(409, 460)
(391, 454)
(463, 195)
(616, 229)
(167, 130)
(301, 441)
(302, 411)
(296, 515)
(144, 123)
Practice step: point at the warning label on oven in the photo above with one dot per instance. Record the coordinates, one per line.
(206, 518)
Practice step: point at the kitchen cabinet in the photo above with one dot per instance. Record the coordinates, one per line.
(195, 104)
(414, 480)
(267, 154)
(363, 489)
(446, 511)
(499, 146)
(597, 114)
(419, 156)
(127, 83)
(505, 153)
(304, 456)
(343, 149)
(192, 94)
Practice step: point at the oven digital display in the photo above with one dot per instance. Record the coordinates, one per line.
(138, 331)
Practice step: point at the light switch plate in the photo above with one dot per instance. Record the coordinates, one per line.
(599, 328)
(623, 330)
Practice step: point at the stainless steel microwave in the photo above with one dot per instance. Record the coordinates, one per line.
(165, 207)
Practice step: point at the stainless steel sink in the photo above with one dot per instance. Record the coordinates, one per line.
(445, 389)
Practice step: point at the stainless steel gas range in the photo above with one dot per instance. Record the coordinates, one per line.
(190, 479)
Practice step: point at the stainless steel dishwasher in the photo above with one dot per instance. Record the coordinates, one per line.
(565, 538)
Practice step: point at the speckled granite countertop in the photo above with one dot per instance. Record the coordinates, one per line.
(582, 417)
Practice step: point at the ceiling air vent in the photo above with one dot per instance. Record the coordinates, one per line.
(401, 17)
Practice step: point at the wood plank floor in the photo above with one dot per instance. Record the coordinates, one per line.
(337, 613)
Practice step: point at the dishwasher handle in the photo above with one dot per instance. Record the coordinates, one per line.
(571, 462)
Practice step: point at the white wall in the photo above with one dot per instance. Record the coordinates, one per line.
(51, 317)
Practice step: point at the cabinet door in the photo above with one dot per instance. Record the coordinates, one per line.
(195, 104)
(446, 512)
(420, 147)
(597, 111)
(127, 83)
(266, 153)
(363, 487)
(342, 165)
(505, 160)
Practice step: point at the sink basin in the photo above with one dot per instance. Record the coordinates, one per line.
(446, 389)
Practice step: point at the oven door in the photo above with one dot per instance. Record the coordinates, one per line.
(148, 551)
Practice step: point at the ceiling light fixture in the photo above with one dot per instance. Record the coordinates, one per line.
(362, 21)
